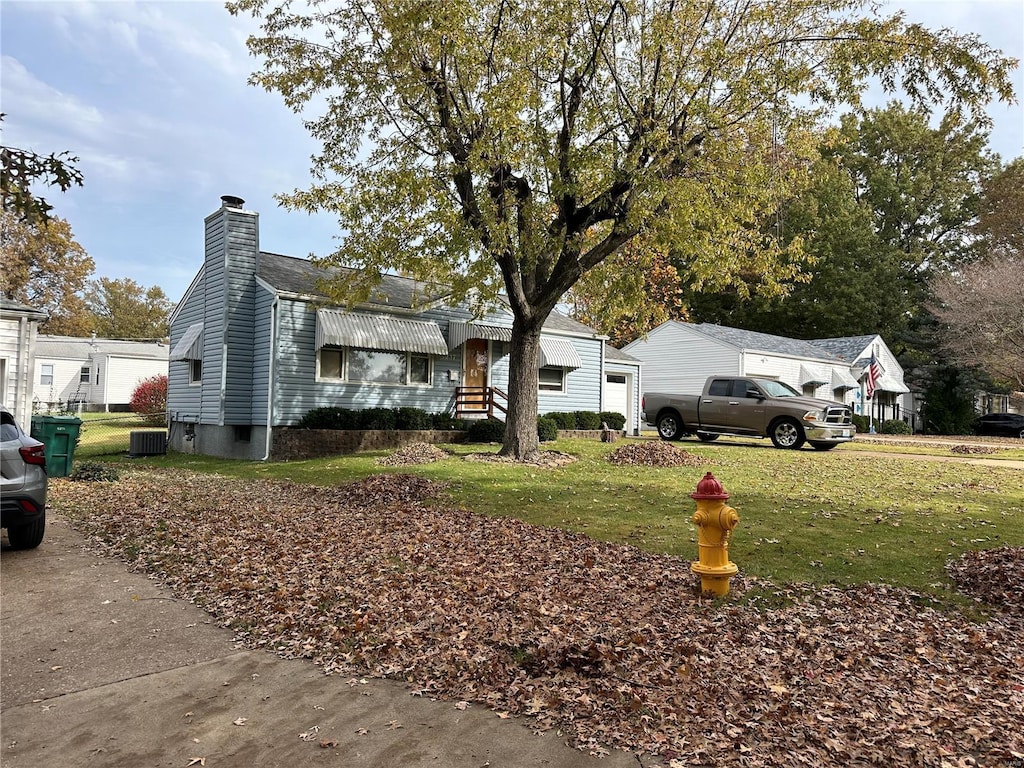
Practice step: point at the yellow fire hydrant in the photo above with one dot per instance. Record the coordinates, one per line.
(715, 522)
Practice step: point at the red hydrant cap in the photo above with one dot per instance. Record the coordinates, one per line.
(709, 488)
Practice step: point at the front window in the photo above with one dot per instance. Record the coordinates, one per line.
(551, 379)
(776, 388)
(46, 375)
(83, 376)
(374, 366)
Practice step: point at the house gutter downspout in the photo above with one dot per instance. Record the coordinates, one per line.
(270, 375)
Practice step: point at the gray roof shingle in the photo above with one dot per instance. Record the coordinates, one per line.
(765, 342)
(79, 348)
(846, 348)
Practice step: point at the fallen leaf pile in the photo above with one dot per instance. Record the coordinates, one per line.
(541, 459)
(972, 449)
(993, 575)
(610, 644)
(416, 453)
(654, 453)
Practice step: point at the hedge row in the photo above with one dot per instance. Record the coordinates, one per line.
(477, 430)
(379, 418)
(887, 427)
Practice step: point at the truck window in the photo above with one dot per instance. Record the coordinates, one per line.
(720, 388)
(777, 388)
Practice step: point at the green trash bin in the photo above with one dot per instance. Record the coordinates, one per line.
(59, 434)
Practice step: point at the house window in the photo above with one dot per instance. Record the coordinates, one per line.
(195, 371)
(330, 364)
(46, 374)
(83, 376)
(551, 379)
(243, 433)
(374, 366)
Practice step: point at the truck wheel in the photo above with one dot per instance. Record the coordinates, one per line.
(670, 426)
(786, 433)
(27, 536)
(706, 437)
(823, 446)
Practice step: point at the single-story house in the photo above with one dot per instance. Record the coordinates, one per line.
(678, 357)
(94, 373)
(19, 329)
(255, 345)
(892, 399)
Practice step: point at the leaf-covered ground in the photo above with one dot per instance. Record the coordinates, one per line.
(606, 642)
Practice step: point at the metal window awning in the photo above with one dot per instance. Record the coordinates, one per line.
(338, 328)
(887, 383)
(459, 331)
(811, 375)
(558, 353)
(190, 345)
(842, 380)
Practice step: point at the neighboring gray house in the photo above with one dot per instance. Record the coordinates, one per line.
(19, 327)
(678, 357)
(96, 374)
(255, 345)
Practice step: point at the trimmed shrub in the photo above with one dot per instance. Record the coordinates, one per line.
(486, 431)
(612, 419)
(446, 421)
(862, 423)
(94, 472)
(547, 429)
(563, 419)
(378, 418)
(587, 420)
(329, 418)
(150, 400)
(414, 418)
(895, 427)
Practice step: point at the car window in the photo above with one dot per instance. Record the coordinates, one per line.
(777, 388)
(8, 429)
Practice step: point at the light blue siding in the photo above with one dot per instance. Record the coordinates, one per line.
(238, 307)
(184, 401)
(213, 320)
(262, 332)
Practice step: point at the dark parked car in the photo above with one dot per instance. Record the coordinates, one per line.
(1001, 424)
(22, 484)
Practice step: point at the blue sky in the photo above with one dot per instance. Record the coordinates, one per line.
(152, 96)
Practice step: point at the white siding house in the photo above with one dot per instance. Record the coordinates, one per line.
(97, 374)
(18, 333)
(678, 357)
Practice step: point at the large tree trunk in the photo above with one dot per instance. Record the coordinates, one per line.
(521, 440)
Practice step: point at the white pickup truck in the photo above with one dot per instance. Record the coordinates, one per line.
(751, 407)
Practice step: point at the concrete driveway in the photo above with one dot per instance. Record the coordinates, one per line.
(101, 667)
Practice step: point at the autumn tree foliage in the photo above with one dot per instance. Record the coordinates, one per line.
(150, 399)
(20, 169)
(982, 310)
(46, 268)
(511, 148)
(635, 290)
(123, 309)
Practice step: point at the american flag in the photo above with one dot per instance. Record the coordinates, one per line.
(874, 374)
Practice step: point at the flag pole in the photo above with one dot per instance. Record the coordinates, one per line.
(871, 396)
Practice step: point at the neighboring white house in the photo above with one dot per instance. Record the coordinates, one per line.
(622, 387)
(19, 325)
(98, 374)
(678, 357)
(892, 398)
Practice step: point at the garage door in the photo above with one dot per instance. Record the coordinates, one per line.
(616, 394)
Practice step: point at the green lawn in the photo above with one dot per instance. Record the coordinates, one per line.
(842, 517)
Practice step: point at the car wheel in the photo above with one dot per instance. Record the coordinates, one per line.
(27, 536)
(823, 446)
(706, 437)
(670, 426)
(786, 433)
(1021, 435)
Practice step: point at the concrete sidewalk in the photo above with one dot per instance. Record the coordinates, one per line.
(101, 667)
